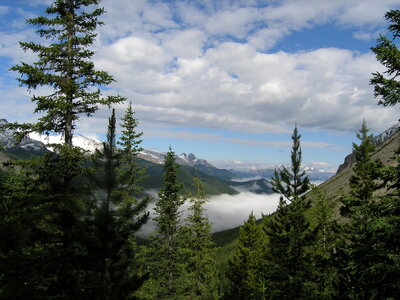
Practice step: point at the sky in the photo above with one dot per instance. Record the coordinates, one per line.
(226, 80)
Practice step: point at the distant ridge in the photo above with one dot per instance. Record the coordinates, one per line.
(378, 140)
(28, 144)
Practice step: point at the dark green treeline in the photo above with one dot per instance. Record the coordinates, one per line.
(68, 219)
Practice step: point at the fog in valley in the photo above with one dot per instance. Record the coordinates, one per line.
(226, 211)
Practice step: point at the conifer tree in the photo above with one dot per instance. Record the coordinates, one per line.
(293, 182)
(327, 239)
(245, 269)
(65, 65)
(199, 253)
(115, 222)
(387, 209)
(388, 54)
(42, 207)
(166, 263)
(371, 254)
(287, 270)
(130, 142)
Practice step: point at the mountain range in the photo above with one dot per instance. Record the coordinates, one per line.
(241, 178)
(216, 181)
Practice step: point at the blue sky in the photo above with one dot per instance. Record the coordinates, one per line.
(227, 80)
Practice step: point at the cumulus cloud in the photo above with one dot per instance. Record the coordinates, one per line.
(208, 64)
(232, 86)
(227, 211)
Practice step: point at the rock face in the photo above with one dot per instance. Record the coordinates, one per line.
(378, 140)
(348, 161)
(191, 160)
(8, 141)
(387, 134)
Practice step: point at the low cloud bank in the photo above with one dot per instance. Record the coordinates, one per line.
(228, 211)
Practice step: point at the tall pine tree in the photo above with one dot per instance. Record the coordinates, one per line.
(199, 253)
(66, 67)
(386, 228)
(130, 142)
(327, 239)
(115, 222)
(293, 182)
(371, 251)
(166, 255)
(287, 270)
(245, 268)
(42, 208)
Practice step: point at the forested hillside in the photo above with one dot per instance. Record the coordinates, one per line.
(69, 219)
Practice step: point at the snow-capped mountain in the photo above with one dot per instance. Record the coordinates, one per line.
(379, 139)
(37, 142)
(8, 141)
(249, 170)
(191, 160)
(86, 143)
(153, 156)
(184, 159)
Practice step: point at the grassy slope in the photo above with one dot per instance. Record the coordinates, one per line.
(334, 187)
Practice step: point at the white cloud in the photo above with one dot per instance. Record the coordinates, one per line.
(227, 211)
(216, 138)
(176, 62)
(366, 12)
(232, 86)
(184, 43)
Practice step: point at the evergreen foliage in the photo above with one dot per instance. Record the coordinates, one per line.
(130, 142)
(245, 268)
(388, 54)
(327, 235)
(372, 264)
(66, 67)
(199, 253)
(166, 254)
(42, 231)
(293, 182)
(288, 271)
(115, 222)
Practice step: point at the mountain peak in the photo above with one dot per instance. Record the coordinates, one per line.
(379, 139)
(8, 141)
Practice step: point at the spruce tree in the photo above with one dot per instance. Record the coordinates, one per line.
(293, 182)
(371, 251)
(42, 207)
(199, 253)
(387, 53)
(166, 263)
(115, 222)
(386, 233)
(245, 268)
(387, 209)
(327, 239)
(287, 270)
(65, 65)
(130, 142)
